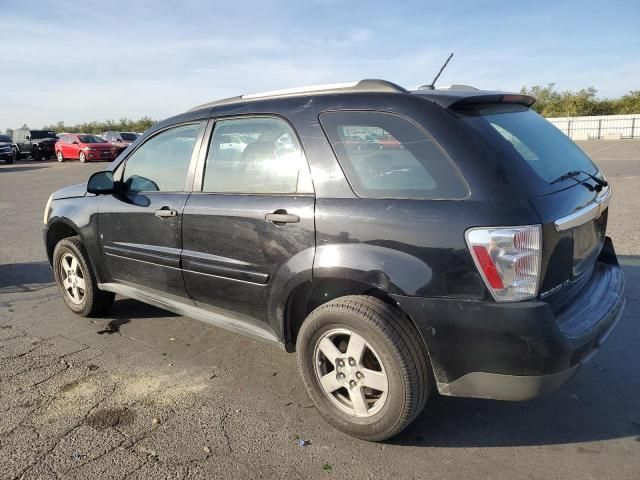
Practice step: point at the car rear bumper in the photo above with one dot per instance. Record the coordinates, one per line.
(517, 351)
(6, 155)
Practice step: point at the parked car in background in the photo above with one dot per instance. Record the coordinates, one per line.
(473, 262)
(120, 140)
(84, 147)
(7, 152)
(39, 144)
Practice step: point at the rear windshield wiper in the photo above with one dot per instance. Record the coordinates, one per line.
(574, 173)
(567, 176)
(602, 183)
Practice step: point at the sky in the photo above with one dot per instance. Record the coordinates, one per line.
(77, 61)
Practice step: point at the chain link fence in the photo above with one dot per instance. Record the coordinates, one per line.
(608, 127)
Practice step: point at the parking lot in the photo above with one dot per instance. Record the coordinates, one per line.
(148, 394)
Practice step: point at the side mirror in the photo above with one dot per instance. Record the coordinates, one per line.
(119, 140)
(27, 137)
(101, 183)
(75, 142)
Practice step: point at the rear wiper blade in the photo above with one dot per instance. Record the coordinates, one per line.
(566, 176)
(602, 183)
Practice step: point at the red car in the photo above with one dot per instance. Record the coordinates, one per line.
(84, 147)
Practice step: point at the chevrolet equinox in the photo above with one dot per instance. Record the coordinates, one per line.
(401, 242)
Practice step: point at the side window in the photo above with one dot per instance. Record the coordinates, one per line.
(385, 155)
(259, 155)
(162, 162)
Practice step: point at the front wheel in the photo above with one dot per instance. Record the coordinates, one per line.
(75, 279)
(364, 366)
(82, 157)
(59, 156)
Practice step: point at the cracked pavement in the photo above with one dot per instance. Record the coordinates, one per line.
(144, 393)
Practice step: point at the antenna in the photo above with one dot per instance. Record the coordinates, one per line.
(441, 69)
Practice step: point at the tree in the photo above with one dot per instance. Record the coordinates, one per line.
(629, 103)
(553, 103)
(9, 131)
(122, 125)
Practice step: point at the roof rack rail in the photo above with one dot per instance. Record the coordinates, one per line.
(366, 85)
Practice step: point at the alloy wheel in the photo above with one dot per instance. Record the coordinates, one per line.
(350, 372)
(72, 278)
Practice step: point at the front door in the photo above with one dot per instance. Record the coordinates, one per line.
(140, 228)
(71, 149)
(255, 211)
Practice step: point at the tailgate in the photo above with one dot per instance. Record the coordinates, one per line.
(574, 227)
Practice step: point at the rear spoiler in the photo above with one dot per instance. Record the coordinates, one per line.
(526, 100)
(456, 98)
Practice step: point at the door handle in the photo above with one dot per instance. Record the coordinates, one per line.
(280, 217)
(166, 212)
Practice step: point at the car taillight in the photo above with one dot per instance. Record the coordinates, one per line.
(508, 258)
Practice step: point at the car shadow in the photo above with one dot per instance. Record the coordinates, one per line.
(25, 277)
(18, 169)
(600, 403)
(125, 310)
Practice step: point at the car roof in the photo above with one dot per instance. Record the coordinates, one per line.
(446, 97)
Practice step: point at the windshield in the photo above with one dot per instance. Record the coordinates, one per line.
(91, 139)
(548, 151)
(129, 137)
(5, 139)
(36, 134)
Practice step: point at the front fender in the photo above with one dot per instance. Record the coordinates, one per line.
(79, 215)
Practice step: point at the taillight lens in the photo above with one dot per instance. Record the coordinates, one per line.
(508, 258)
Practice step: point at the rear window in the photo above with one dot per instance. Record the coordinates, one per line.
(548, 151)
(38, 134)
(385, 155)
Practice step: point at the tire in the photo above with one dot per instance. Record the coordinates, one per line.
(69, 256)
(59, 156)
(37, 156)
(16, 154)
(82, 157)
(393, 353)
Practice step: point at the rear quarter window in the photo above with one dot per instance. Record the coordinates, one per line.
(385, 155)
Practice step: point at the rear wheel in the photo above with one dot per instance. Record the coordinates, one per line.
(364, 366)
(82, 157)
(76, 281)
(59, 156)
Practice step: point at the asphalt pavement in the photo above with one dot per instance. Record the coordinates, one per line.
(145, 393)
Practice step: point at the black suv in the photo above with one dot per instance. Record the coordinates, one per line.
(7, 152)
(39, 144)
(401, 242)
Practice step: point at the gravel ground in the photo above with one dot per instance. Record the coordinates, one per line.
(148, 394)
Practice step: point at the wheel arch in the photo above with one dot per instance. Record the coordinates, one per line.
(56, 231)
(309, 295)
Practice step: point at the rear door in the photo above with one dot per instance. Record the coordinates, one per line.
(253, 213)
(140, 228)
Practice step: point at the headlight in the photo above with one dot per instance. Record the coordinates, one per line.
(45, 218)
(89, 149)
